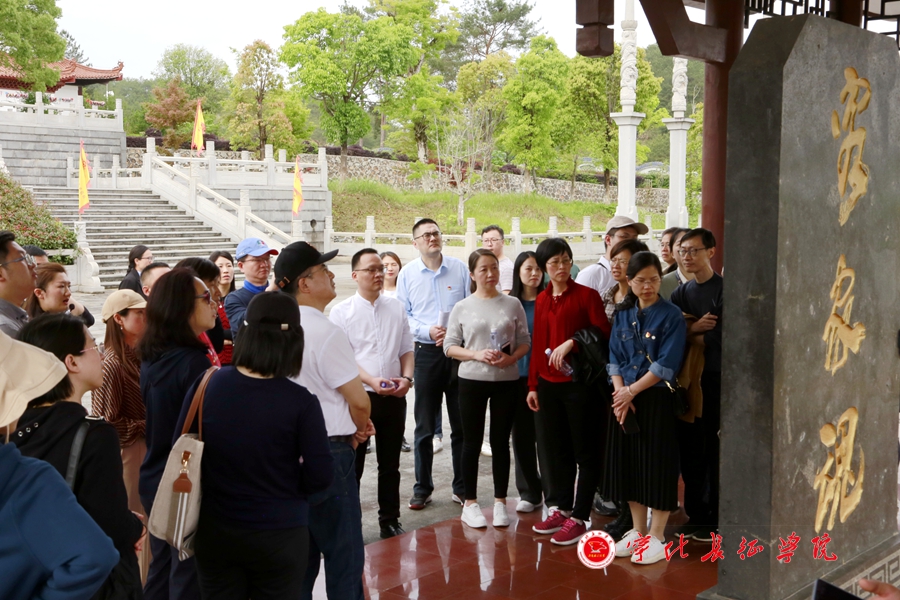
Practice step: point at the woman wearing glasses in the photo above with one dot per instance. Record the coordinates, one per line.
(53, 294)
(172, 358)
(207, 272)
(563, 406)
(645, 351)
(49, 427)
(619, 256)
(139, 258)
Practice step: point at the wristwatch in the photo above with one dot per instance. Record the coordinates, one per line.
(409, 379)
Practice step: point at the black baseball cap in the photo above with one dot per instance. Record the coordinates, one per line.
(295, 259)
(272, 310)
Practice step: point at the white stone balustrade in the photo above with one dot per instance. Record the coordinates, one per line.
(60, 116)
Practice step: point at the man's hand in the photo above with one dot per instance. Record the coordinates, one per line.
(532, 401)
(361, 436)
(881, 590)
(401, 387)
(437, 334)
(387, 390)
(704, 324)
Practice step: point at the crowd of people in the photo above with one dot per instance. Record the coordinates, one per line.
(584, 374)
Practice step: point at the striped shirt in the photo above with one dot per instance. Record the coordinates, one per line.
(119, 399)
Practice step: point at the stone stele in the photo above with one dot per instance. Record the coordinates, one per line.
(812, 309)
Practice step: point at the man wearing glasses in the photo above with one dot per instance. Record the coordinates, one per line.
(428, 288)
(383, 346)
(17, 281)
(701, 300)
(492, 239)
(254, 258)
(598, 276)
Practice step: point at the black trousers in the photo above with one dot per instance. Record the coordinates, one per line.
(528, 480)
(473, 403)
(698, 444)
(236, 564)
(389, 418)
(570, 415)
(436, 376)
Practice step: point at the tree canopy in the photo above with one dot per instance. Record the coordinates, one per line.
(28, 40)
(202, 74)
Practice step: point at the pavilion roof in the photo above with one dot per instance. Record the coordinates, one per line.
(70, 73)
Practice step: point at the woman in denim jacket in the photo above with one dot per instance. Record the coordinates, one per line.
(645, 352)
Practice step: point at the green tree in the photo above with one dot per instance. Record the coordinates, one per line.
(28, 40)
(202, 74)
(337, 59)
(533, 95)
(480, 87)
(694, 163)
(73, 49)
(171, 112)
(134, 93)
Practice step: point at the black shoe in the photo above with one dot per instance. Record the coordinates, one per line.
(705, 534)
(418, 502)
(688, 530)
(604, 507)
(404, 447)
(622, 525)
(390, 530)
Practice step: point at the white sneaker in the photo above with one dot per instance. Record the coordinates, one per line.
(622, 546)
(486, 449)
(524, 506)
(654, 553)
(501, 518)
(456, 498)
(437, 444)
(471, 516)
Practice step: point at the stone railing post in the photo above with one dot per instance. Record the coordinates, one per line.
(587, 235)
(86, 271)
(119, 114)
(329, 233)
(115, 171)
(146, 166)
(323, 169)
(79, 101)
(282, 155)
(38, 105)
(70, 166)
(244, 209)
(553, 230)
(370, 232)
(245, 155)
(2, 163)
(211, 157)
(270, 165)
(471, 236)
(192, 188)
(516, 234)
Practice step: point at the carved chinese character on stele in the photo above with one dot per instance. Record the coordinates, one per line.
(850, 166)
(840, 336)
(841, 492)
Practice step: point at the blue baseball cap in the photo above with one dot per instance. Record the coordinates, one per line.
(253, 247)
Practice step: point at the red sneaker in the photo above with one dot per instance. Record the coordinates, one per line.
(570, 533)
(552, 524)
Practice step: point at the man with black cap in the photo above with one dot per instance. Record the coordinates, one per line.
(598, 276)
(330, 372)
(254, 259)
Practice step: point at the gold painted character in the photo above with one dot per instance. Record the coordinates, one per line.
(834, 497)
(840, 336)
(851, 169)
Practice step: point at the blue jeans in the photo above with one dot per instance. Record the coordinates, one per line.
(335, 532)
(436, 376)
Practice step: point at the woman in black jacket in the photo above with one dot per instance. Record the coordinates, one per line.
(172, 358)
(51, 424)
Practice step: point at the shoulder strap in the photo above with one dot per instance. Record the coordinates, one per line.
(197, 403)
(75, 454)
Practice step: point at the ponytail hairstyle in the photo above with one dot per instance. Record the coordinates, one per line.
(638, 263)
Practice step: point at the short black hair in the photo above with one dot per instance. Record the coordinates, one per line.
(60, 334)
(424, 221)
(169, 316)
(203, 268)
(517, 287)
(6, 237)
(152, 267)
(633, 245)
(354, 262)
(706, 237)
(496, 228)
(34, 250)
(669, 231)
(549, 248)
(269, 352)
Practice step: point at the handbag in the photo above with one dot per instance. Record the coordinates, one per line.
(680, 403)
(176, 508)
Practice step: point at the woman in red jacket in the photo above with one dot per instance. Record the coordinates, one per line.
(567, 412)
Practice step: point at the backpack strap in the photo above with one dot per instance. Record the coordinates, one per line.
(75, 453)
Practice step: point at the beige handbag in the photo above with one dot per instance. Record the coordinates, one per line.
(176, 509)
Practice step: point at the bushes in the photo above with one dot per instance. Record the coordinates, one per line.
(32, 223)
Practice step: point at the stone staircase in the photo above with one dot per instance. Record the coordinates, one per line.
(118, 220)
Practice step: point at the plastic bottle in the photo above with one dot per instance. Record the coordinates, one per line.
(495, 343)
(566, 368)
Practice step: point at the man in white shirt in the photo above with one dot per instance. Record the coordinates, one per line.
(330, 372)
(619, 228)
(383, 345)
(492, 239)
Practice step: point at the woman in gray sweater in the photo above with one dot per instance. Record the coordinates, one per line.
(488, 334)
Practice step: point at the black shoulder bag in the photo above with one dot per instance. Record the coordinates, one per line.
(680, 402)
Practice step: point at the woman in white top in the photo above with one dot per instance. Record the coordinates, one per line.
(392, 266)
(488, 333)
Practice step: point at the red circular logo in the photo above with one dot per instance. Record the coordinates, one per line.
(596, 549)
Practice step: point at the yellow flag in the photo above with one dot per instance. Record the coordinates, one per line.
(199, 130)
(84, 181)
(298, 187)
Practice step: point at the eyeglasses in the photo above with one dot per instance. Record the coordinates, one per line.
(27, 259)
(100, 348)
(641, 282)
(619, 261)
(206, 296)
(147, 258)
(371, 270)
(324, 269)
(491, 241)
(429, 235)
(261, 259)
(566, 262)
(692, 252)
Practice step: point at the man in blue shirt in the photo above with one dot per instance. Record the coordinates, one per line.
(254, 259)
(428, 288)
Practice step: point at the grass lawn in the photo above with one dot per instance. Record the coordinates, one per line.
(395, 211)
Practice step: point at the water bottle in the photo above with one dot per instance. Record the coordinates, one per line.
(495, 342)
(565, 369)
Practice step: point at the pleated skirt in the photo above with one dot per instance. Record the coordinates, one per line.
(643, 467)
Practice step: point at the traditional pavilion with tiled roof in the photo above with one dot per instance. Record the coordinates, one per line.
(70, 73)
